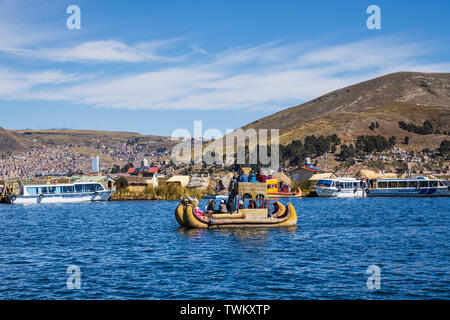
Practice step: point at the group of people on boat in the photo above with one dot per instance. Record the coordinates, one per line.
(252, 177)
(224, 206)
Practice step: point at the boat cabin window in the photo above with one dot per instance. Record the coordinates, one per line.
(442, 183)
(433, 184)
(68, 189)
(44, 190)
(90, 187)
(402, 184)
(392, 184)
(32, 190)
(324, 183)
(78, 188)
(382, 185)
(423, 184)
(413, 184)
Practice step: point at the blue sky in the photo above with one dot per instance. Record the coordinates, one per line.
(155, 66)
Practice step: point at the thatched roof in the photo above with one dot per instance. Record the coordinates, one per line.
(370, 174)
(178, 180)
(126, 181)
(198, 182)
(283, 178)
(319, 176)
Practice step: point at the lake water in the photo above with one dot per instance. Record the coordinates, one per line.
(135, 250)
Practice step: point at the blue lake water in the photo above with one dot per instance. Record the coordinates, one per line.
(135, 250)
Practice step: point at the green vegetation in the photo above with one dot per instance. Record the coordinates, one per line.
(117, 169)
(373, 125)
(369, 144)
(444, 148)
(296, 151)
(426, 128)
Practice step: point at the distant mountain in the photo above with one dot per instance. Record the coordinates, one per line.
(404, 96)
(88, 138)
(16, 141)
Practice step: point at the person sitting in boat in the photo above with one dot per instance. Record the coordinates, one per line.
(243, 178)
(241, 204)
(261, 177)
(197, 211)
(210, 208)
(231, 206)
(252, 177)
(222, 207)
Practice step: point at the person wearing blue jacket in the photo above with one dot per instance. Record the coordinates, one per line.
(243, 178)
(252, 178)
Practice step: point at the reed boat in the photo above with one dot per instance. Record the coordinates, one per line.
(256, 216)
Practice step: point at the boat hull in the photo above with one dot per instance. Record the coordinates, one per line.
(336, 193)
(64, 198)
(409, 192)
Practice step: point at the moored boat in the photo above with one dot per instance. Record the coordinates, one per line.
(340, 188)
(61, 193)
(408, 187)
(256, 215)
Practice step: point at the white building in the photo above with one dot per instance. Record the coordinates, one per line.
(95, 164)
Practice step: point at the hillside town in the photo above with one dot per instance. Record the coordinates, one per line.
(63, 160)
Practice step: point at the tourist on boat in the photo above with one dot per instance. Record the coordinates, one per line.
(243, 178)
(261, 177)
(197, 211)
(222, 207)
(231, 206)
(241, 204)
(252, 177)
(210, 208)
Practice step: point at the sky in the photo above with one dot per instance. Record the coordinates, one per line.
(157, 66)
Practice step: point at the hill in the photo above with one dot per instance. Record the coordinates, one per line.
(348, 112)
(89, 138)
(11, 143)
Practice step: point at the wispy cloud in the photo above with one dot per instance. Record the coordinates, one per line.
(20, 85)
(103, 51)
(269, 76)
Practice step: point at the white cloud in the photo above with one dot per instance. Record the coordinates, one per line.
(20, 85)
(103, 51)
(269, 76)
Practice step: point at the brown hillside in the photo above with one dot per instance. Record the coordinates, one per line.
(348, 112)
(11, 143)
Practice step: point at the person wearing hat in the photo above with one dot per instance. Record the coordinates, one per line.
(222, 207)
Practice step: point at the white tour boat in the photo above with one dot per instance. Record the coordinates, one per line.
(61, 193)
(410, 187)
(339, 188)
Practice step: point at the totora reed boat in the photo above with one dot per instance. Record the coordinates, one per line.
(255, 215)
